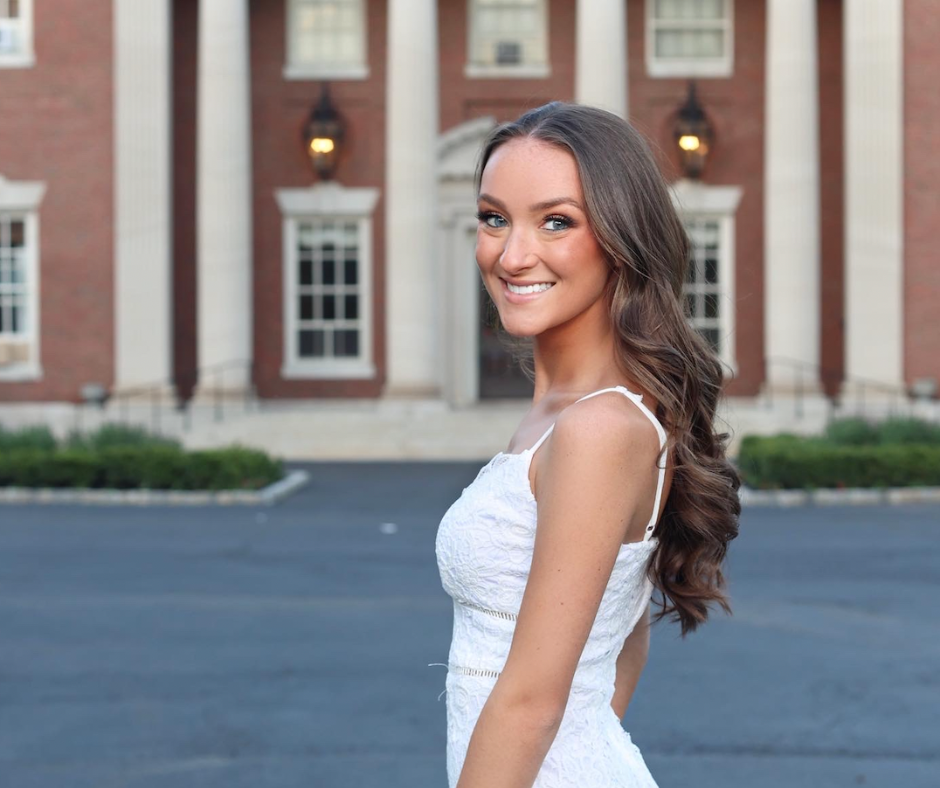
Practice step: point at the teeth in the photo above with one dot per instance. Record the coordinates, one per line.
(540, 288)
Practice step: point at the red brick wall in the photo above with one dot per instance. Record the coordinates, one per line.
(921, 190)
(463, 98)
(831, 195)
(56, 126)
(279, 111)
(185, 52)
(735, 106)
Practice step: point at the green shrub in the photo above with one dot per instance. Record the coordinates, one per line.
(905, 430)
(40, 438)
(853, 431)
(130, 467)
(768, 463)
(110, 435)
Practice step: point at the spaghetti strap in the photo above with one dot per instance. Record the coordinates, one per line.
(637, 400)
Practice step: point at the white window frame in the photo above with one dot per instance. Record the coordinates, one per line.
(474, 70)
(306, 71)
(688, 67)
(26, 58)
(695, 200)
(21, 199)
(327, 201)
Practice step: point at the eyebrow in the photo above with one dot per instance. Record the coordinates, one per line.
(537, 207)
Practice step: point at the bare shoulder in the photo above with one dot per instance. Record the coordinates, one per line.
(609, 426)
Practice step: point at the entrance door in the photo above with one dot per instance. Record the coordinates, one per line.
(501, 375)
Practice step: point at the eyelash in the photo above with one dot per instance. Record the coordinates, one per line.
(482, 216)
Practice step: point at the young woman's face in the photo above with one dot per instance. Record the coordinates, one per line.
(539, 260)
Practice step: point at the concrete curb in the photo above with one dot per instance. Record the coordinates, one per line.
(890, 496)
(266, 496)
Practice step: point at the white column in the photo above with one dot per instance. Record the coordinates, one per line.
(143, 226)
(791, 201)
(413, 317)
(874, 338)
(601, 55)
(223, 194)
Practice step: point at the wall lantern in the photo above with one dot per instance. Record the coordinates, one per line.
(323, 136)
(693, 135)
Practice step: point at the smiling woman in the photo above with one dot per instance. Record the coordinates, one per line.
(552, 554)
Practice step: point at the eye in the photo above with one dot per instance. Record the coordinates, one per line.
(557, 223)
(491, 219)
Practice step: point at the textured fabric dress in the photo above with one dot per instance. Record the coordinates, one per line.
(484, 550)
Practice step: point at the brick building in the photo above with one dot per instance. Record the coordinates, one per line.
(159, 215)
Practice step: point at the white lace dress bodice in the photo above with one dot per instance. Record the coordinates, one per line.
(484, 551)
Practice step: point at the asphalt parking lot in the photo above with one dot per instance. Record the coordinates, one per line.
(289, 646)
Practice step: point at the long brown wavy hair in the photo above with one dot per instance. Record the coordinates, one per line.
(632, 216)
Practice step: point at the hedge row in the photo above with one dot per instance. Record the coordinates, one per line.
(789, 462)
(131, 467)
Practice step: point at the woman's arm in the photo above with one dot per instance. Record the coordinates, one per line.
(630, 664)
(596, 473)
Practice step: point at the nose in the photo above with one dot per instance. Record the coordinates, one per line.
(517, 254)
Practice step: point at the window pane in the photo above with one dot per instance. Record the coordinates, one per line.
(306, 307)
(711, 270)
(351, 272)
(711, 334)
(306, 272)
(711, 305)
(346, 343)
(329, 267)
(328, 32)
(311, 344)
(329, 307)
(352, 307)
(690, 305)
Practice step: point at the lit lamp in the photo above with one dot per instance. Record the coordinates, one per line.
(323, 136)
(693, 135)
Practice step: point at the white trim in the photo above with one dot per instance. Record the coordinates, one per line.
(31, 369)
(27, 57)
(294, 70)
(521, 71)
(306, 72)
(21, 195)
(688, 67)
(701, 202)
(696, 197)
(327, 201)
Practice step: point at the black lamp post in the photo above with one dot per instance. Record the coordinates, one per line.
(323, 136)
(693, 134)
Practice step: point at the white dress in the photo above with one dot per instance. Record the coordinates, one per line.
(484, 551)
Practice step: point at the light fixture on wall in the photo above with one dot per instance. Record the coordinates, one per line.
(693, 135)
(323, 136)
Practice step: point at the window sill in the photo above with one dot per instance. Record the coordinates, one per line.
(354, 369)
(15, 373)
(530, 71)
(685, 69)
(17, 61)
(312, 73)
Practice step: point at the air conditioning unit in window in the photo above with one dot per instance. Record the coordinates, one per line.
(13, 352)
(508, 53)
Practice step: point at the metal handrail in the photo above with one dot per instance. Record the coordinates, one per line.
(863, 385)
(211, 376)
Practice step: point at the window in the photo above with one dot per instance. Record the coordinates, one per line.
(18, 296)
(508, 38)
(708, 213)
(326, 39)
(689, 38)
(328, 281)
(16, 33)
(703, 288)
